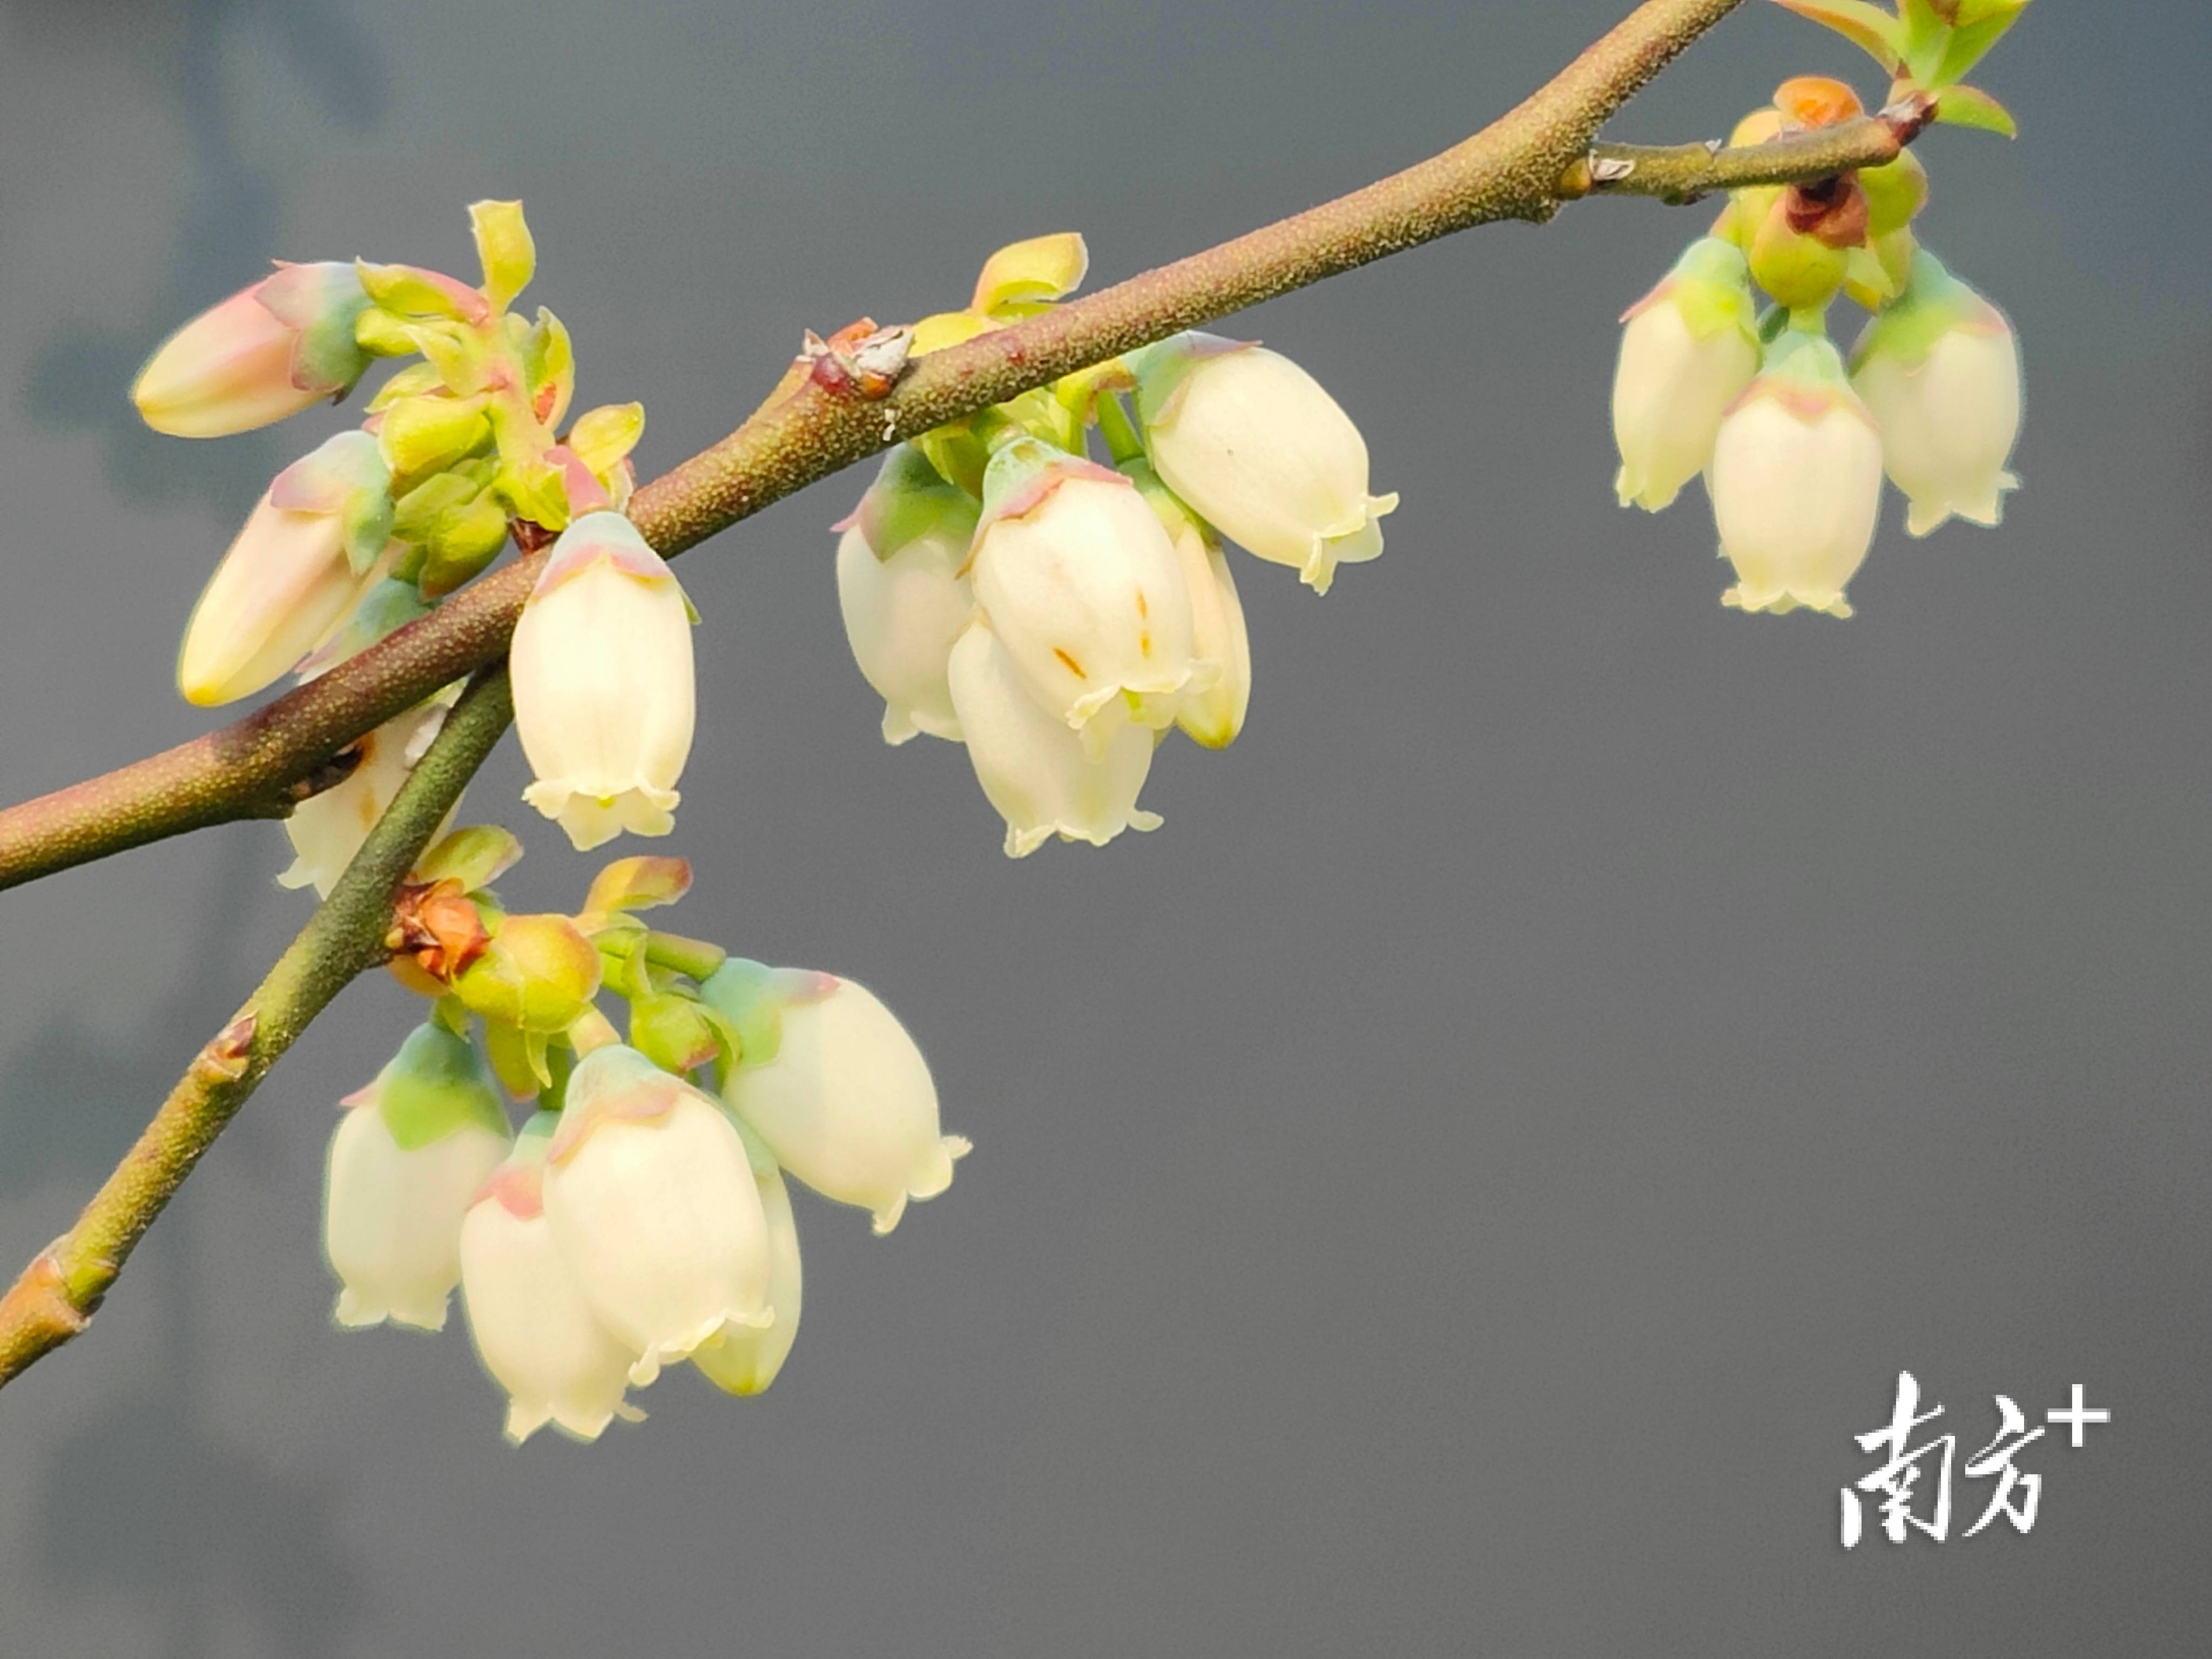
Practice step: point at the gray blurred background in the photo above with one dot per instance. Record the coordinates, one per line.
(1460, 1187)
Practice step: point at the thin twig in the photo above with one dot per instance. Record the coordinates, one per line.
(57, 1294)
(1681, 173)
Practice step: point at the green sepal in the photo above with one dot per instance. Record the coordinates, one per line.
(1711, 288)
(518, 1058)
(423, 511)
(602, 436)
(364, 521)
(549, 358)
(426, 435)
(475, 856)
(1024, 278)
(411, 381)
(464, 544)
(642, 882)
(436, 1084)
(1970, 106)
(454, 353)
(505, 250)
(751, 997)
(1933, 303)
(670, 1028)
(534, 490)
(452, 1014)
(387, 607)
(909, 499)
(411, 291)
(380, 334)
(1872, 30)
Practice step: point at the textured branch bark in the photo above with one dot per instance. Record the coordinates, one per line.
(57, 1295)
(1681, 173)
(1521, 166)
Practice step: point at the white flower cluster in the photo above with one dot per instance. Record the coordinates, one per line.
(1792, 447)
(1062, 617)
(642, 1221)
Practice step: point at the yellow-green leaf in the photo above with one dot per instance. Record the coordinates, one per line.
(1970, 106)
(504, 250)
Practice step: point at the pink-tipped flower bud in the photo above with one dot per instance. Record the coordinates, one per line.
(311, 548)
(268, 351)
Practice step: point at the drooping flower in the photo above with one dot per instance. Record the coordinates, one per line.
(312, 547)
(1084, 591)
(747, 1358)
(900, 588)
(406, 1160)
(532, 1329)
(1796, 482)
(1261, 451)
(1940, 368)
(326, 829)
(653, 1206)
(1211, 713)
(832, 1083)
(268, 351)
(601, 664)
(1689, 349)
(1040, 775)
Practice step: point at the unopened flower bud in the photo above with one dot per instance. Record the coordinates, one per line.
(601, 664)
(844, 1102)
(747, 1358)
(902, 594)
(1941, 371)
(405, 1163)
(1796, 482)
(655, 1210)
(311, 548)
(268, 351)
(1798, 268)
(1040, 775)
(1261, 451)
(533, 1329)
(538, 973)
(1083, 589)
(1688, 349)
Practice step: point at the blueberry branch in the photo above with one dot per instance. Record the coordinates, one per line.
(1522, 166)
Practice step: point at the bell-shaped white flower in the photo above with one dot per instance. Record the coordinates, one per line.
(1212, 711)
(652, 1203)
(1796, 482)
(1261, 451)
(1940, 368)
(1040, 776)
(1688, 349)
(832, 1083)
(268, 351)
(601, 664)
(327, 830)
(1083, 590)
(405, 1163)
(533, 1329)
(747, 1358)
(900, 589)
(312, 545)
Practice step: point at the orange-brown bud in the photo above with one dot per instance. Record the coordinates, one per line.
(1815, 101)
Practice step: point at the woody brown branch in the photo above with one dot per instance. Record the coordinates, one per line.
(1521, 166)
